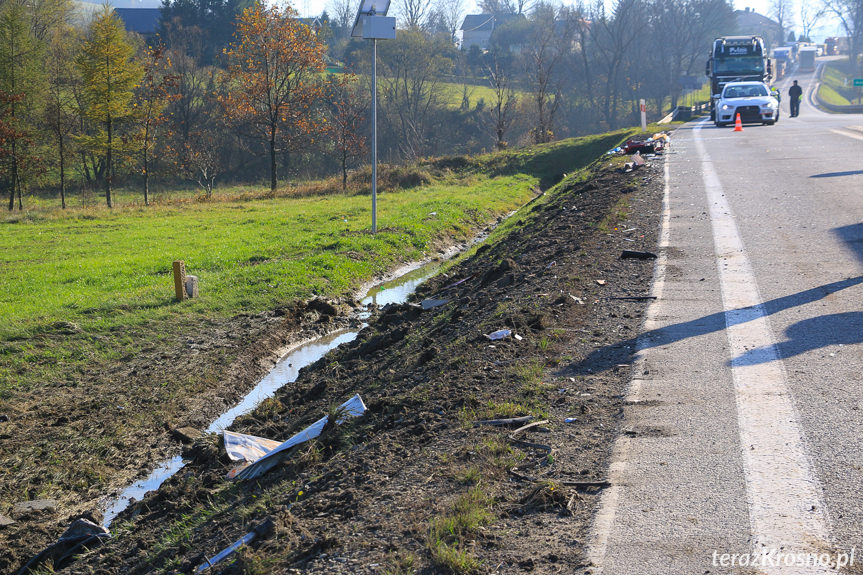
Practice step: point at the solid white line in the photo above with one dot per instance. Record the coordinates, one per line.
(785, 506)
(603, 522)
(848, 133)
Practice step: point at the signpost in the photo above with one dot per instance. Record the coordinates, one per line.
(372, 23)
(642, 107)
(858, 83)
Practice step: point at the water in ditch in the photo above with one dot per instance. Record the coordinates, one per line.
(284, 372)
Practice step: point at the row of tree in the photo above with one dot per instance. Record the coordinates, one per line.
(231, 89)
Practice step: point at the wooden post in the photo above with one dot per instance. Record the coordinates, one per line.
(180, 279)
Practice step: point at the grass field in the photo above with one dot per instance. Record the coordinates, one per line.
(109, 270)
(836, 87)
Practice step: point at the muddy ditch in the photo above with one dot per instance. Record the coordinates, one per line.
(383, 493)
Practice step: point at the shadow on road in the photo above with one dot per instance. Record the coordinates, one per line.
(610, 356)
(852, 237)
(806, 335)
(838, 174)
(810, 334)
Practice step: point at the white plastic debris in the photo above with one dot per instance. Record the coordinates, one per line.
(499, 334)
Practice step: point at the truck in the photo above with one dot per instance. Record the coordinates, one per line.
(736, 59)
(782, 60)
(806, 58)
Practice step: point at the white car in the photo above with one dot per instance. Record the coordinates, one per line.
(752, 100)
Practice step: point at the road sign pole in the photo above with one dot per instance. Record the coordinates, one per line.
(374, 136)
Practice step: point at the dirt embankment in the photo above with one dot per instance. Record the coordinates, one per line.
(416, 486)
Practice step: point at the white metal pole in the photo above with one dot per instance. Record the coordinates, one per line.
(374, 136)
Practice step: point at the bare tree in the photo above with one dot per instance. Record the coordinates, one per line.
(503, 104)
(780, 10)
(613, 36)
(413, 65)
(413, 13)
(550, 40)
(850, 15)
(451, 13)
(809, 17)
(497, 7)
(342, 14)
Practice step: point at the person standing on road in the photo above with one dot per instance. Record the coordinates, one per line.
(795, 93)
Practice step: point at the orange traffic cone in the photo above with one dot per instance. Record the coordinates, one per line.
(738, 125)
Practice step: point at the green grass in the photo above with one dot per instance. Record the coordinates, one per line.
(104, 270)
(449, 534)
(837, 87)
(453, 94)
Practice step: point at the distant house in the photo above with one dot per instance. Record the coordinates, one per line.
(751, 23)
(144, 21)
(476, 29)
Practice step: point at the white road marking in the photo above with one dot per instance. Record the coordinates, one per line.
(848, 133)
(603, 522)
(785, 506)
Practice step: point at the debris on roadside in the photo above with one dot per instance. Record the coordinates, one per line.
(262, 530)
(242, 447)
(507, 421)
(577, 300)
(633, 255)
(428, 304)
(353, 407)
(81, 536)
(499, 334)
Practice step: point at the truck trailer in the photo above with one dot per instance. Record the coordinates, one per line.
(806, 58)
(736, 59)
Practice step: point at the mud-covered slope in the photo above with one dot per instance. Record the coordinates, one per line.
(415, 485)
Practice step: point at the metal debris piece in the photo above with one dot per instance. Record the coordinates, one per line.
(263, 529)
(433, 303)
(242, 447)
(354, 407)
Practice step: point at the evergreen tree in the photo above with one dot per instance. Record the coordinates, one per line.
(109, 75)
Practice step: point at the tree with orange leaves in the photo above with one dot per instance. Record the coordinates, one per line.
(271, 82)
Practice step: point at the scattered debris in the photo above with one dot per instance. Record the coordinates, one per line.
(508, 421)
(601, 282)
(81, 536)
(499, 334)
(633, 255)
(24, 509)
(518, 337)
(262, 530)
(570, 420)
(632, 298)
(354, 407)
(433, 303)
(3, 418)
(4, 521)
(577, 300)
(242, 447)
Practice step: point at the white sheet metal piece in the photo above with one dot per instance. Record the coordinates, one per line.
(242, 447)
(354, 407)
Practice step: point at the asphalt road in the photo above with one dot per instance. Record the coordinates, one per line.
(744, 437)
